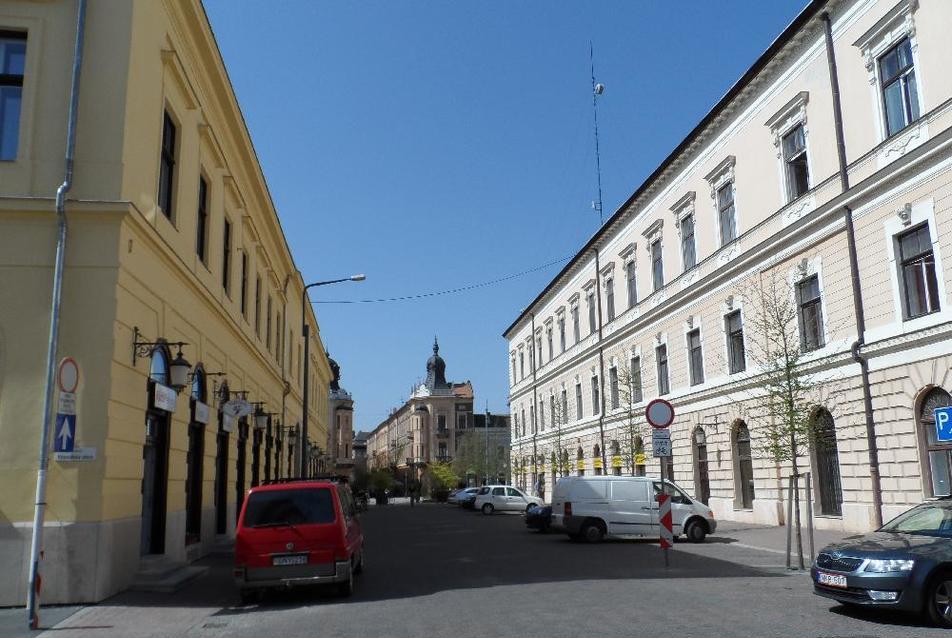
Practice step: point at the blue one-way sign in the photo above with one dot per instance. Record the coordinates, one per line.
(65, 433)
(943, 424)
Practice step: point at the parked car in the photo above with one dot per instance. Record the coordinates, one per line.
(539, 517)
(593, 508)
(905, 565)
(492, 498)
(468, 502)
(456, 497)
(294, 533)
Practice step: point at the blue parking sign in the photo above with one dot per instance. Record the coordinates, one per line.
(943, 424)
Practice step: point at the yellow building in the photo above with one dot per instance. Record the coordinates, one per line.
(172, 236)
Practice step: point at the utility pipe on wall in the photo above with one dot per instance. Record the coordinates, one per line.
(44, 459)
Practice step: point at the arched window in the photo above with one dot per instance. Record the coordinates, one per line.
(639, 457)
(939, 454)
(564, 465)
(826, 463)
(580, 461)
(701, 479)
(199, 391)
(159, 366)
(596, 456)
(616, 458)
(743, 467)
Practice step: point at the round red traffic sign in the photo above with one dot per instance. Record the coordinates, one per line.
(67, 375)
(660, 413)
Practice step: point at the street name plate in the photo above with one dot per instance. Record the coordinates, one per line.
(78, 454)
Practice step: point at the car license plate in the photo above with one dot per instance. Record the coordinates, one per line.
(831, 580)
(294, 559)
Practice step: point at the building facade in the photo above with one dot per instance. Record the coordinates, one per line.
(824, 178)
(340, 419)
(174, 249)
(432, 425)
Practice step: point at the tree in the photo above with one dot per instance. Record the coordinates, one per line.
(442, 478)
(559, 420)
(631, 435)
(475, 455)
(787, 386)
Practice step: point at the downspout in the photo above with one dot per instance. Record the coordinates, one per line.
(40, 506)
(857, 346)
(536, 363)
(601, 361)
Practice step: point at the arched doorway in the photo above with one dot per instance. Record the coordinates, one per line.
(195, 458)
(616, 458)
(221, 464)
(240, 463)
(257, 437)
(580, 461)
(596, 459)
(155, 453)
(702, 480)
(268, 446)
(826, 463)
(937, 464)
(639, 457)
(743, 467)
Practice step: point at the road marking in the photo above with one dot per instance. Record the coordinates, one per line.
(762, 549)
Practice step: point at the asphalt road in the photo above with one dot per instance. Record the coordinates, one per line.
(435, 570)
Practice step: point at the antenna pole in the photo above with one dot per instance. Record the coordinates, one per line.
(596, 91)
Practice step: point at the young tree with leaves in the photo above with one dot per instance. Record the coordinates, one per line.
(631, 434)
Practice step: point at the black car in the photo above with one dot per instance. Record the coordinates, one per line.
(904, 565)
(539, 517)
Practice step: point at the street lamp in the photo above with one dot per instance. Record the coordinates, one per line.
(306, 333)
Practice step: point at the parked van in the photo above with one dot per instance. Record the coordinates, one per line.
(592, 508)
(303, 532)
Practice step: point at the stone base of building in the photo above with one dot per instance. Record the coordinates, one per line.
(89, 562)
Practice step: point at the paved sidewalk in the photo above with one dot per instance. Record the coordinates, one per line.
(14, 624)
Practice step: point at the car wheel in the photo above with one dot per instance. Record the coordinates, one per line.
(487, 508)
(695, 532)
(593, 532)
(530, 506)
(346, 588)
(940, 599)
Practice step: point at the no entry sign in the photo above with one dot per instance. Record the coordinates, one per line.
(660, 413)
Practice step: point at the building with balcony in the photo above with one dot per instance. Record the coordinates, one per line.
(340, 435)
(174, 247)
(823, 177)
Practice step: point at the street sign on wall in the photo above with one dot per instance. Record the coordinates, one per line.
(943, 424)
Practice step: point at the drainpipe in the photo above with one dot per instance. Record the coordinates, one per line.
(856, 348)
(601, 360)
(33, 602)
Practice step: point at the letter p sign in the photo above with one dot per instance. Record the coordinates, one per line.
(943, 424)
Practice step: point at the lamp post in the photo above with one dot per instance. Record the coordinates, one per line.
(306, 333)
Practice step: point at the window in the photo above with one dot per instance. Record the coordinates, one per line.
(167, 166)
(532, 351)
(575, 322)
(244, 284)
(695, 357)
(826, 460)
(201, 241)
(514, 377)
(267, 326)
(441, 423)
(610, 298)
(939, 452)
(917, 270)
(613, 386)
(294, 507)
(702, 480)
(578, 401)
(226, 259)
(736, 360)
(811, 314)
(661, 354)
(562, 332)
(743, 468)
(532, 418)
(515, 422)
(630, 282)
(522, 364)
(596, 398)
(12, 67)
(795, 163)
(548, 338)
(725, 213)
(258, 306)
(590, 298)
(278, 338)
(553, 410)
(565, 407)
(634, 382)
(657, 267)
(688, 249)
(541, 415)
(897, 76)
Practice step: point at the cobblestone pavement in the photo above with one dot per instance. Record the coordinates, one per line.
(435, 570)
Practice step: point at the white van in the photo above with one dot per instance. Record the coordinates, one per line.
(591, 508)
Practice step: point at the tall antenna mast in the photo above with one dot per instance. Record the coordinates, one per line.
(597, 89)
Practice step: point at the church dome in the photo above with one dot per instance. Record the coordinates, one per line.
(436, 369)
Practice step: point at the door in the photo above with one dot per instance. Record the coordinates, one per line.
(221, 484)
(680, 505)
(516, 500)
(629, 511)
(193, 483)
(700, 466)
(155, 473)
(240, 473)
(499, 500)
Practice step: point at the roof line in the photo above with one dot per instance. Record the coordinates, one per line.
(785, 36)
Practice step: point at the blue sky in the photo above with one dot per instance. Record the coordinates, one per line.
(434, 145)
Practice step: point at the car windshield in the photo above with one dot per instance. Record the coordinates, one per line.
(289, 507)
(927, 520)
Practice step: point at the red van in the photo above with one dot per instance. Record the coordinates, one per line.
(303, 532)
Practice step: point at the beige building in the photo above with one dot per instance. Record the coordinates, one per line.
(172, 237)
(340, 419)
(761, 191)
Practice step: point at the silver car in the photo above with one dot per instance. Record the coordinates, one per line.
(503, 498)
